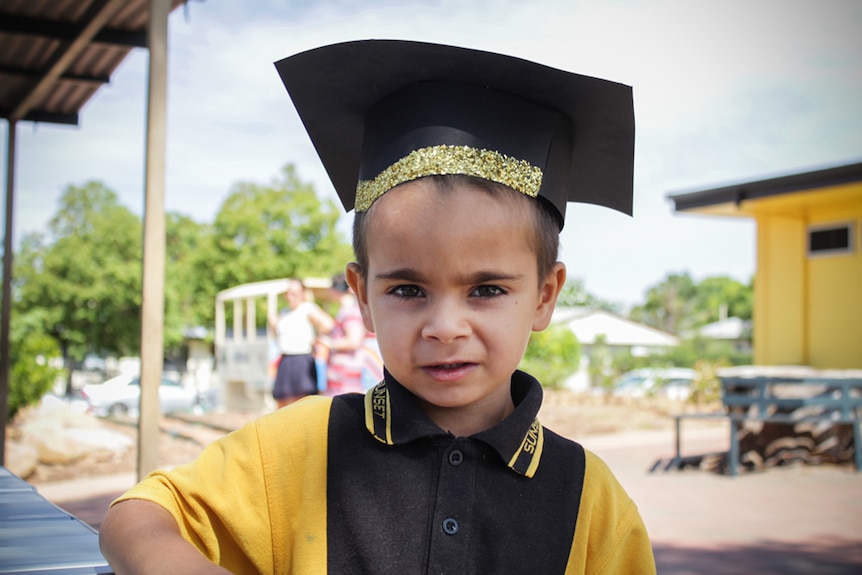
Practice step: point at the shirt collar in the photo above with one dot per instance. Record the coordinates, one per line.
(394, 417)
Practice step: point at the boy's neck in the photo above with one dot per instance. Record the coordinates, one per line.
(468, 420)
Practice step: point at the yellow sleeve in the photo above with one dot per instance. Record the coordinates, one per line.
(610, 536)
(255, 500)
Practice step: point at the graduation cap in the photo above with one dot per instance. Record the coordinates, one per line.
(384, 112)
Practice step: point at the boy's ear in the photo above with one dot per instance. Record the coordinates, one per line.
(356, 281)
(549, 290)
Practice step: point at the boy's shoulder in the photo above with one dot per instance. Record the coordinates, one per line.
(309, 413)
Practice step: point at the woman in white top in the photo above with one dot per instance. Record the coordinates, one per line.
(296, 331)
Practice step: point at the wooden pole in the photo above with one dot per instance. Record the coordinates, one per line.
(153, 304)
(6, 305)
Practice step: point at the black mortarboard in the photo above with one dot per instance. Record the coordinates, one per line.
(383, 112)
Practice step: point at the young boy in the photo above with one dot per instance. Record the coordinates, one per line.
(465, 162)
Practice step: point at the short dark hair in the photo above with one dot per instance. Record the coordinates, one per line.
(546, 242)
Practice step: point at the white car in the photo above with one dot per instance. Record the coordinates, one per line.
(672, 382)
(121, 395)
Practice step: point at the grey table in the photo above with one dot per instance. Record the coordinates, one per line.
(36, 536)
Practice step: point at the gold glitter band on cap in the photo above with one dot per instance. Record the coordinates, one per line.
(443, 160)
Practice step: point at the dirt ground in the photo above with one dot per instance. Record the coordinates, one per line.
(571, 415)
(576, 415)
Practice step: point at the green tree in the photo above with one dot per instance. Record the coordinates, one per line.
(84, 275)
(265, 232)
(552, 355)
(30, 351)
(87, 278)
(601, 368)
(707, 386)
(669, 305)
(575, 294)
(719, 295)
(679, 305)
(694, 349)
(186, 245)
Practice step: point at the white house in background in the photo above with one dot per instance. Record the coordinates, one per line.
(621, 335)
(732, 329)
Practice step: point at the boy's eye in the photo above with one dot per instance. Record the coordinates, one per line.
(406, 291)
(488, 291)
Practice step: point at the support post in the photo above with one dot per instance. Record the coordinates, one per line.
(6, 305)
(857, 439)
(153, 297)
(733, 455)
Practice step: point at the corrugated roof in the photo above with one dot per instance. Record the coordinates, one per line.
(55, 54)
(781, 185)
(587, 324)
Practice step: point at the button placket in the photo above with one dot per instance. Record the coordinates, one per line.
(450, 524)
(451, 540)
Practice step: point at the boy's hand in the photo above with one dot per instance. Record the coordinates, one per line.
(138, 537)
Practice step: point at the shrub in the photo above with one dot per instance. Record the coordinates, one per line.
(707, 387)
(552, 355)
(30, 374)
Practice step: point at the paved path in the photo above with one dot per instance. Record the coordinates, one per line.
(788, 521)
(795, 520)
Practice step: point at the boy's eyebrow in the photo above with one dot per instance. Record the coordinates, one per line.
(480, 277)
(483, 277)
(401, 274)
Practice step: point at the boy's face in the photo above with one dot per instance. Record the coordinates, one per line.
(452, 294)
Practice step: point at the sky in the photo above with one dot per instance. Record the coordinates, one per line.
(724, 92)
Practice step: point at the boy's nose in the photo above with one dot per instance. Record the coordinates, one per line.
(446, 322)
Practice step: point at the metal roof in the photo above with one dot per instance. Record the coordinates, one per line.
(55, 54)
(782, 185)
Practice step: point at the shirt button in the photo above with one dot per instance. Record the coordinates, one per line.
(450, 526)
(456, 457)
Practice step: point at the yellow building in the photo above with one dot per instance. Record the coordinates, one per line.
(808, 282)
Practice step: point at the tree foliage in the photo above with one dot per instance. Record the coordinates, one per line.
(678, 304)
(694, 349)
(552, 355)
(280, 230)
(85, 276)
(575, 294)
(722, 295)
(30, 351)
(266, 232)
(669, 304)
(185, 255)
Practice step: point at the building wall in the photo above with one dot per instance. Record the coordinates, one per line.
(835, 298)
(808, 309)
(779, 318)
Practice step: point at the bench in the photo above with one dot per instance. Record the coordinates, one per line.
(784, 396)
(36, 536)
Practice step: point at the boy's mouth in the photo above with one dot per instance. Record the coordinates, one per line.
(449, 371)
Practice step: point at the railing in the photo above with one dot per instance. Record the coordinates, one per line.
(784, 396)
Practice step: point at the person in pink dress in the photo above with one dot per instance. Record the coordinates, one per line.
(344, 343)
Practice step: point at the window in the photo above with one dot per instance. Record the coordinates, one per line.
(830, 239)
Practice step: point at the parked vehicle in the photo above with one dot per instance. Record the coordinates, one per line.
(673, 383)
(121, 395)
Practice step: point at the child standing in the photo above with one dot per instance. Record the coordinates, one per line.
(465, 162)
(296, 331)
(344, 342)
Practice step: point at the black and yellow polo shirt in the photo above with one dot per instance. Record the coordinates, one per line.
(369, 484)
